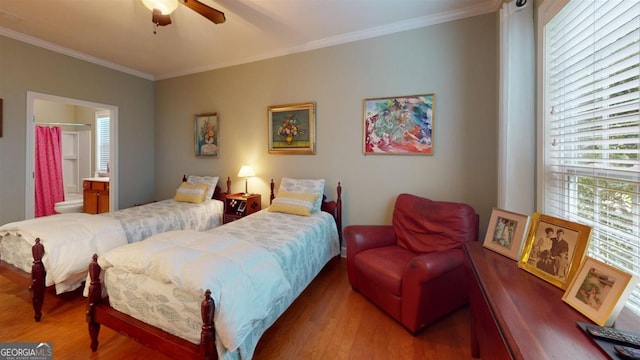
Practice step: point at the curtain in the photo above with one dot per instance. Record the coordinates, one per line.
(48, 170)
(516, 117)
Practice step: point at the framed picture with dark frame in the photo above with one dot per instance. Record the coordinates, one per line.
(505, 234)
(554, 248)
(599, 291)
(207, 130)
(292, 129)
(401, 125)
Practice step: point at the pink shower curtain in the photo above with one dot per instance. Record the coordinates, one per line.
(48, 184)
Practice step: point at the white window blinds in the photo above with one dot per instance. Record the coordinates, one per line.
(592, 126)
(103, 143)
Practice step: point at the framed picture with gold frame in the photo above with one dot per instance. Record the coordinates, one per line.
(554, 248)
(505, 233)
(599, 291)
(292, 129)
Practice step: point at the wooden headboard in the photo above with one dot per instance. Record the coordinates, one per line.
(217, 194)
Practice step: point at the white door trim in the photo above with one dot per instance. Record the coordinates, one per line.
(30, 153)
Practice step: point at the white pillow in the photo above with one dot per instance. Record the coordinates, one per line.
(308, 186)
(211, 182)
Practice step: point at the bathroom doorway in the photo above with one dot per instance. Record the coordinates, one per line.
(78, 120)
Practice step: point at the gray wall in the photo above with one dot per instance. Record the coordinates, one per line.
(456, 61)
(25, 68)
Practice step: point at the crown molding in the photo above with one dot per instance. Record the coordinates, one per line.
(72, 53)
(470, 11)
(485, 7)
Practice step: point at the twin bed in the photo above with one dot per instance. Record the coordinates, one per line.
(213, 294)
(56, 249)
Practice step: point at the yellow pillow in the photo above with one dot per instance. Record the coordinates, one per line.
(293, 203)
(193, 193)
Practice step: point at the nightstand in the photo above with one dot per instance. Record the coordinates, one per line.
(238, 205)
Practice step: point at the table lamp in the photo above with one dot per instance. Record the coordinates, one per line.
(246, 172)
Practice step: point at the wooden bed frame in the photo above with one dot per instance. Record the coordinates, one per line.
(37, 285)
(100, 313)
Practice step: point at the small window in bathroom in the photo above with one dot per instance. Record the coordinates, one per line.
(103, 120)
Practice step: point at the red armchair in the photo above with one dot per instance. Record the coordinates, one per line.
(414, 268)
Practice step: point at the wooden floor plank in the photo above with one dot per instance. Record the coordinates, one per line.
(328, 321)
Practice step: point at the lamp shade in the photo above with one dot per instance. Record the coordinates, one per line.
(166, 7)
(246, 171)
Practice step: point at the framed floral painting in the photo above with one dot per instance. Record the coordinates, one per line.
(206, 134)
(292, 129)
(398, 125)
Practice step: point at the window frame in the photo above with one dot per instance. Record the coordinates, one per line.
(570, 193)
(102, 165)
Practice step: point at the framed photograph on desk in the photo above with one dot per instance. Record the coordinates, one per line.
(554, 248)
(599, 291)
(505, 233)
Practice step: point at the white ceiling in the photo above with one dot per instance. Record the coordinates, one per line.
(119, 33)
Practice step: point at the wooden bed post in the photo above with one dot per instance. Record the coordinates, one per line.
(38, 275)
(95, 298)
(207, 335)
(339, 213)
(272, 195)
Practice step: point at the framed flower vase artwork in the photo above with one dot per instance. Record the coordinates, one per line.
(398, 125)
(554, 248)
(505, 234)
(207, 130)
(292, 129)
(599, 291)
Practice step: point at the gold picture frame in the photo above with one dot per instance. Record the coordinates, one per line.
(292, 129)
(553, 260)
(599, 291)
(505, 234)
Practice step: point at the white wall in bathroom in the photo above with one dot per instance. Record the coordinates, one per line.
(76, 160)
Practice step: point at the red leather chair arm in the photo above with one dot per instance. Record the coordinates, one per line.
(363, 237)
(429, 266)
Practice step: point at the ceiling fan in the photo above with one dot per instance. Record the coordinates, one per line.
(162, 9)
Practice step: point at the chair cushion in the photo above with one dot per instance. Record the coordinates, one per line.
(384, 267)
(424, 225)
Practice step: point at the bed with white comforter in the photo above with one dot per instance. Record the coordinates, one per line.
(255, 268)
(70, 239)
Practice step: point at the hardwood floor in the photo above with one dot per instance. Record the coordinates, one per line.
(328, 321)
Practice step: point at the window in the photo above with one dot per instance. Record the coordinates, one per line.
(103, 143)
(592, 126)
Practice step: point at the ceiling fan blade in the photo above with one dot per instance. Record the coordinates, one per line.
(216, 16)
(159, 19)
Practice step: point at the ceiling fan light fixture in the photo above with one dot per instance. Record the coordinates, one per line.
(166, 7)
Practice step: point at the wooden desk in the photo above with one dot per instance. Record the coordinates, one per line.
(516, 315)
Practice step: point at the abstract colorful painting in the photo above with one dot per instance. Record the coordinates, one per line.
(399, 125)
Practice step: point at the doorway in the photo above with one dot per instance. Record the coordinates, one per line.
(32, 99)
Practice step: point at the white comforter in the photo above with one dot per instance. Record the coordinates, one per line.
(69, 241)
(245, 279)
